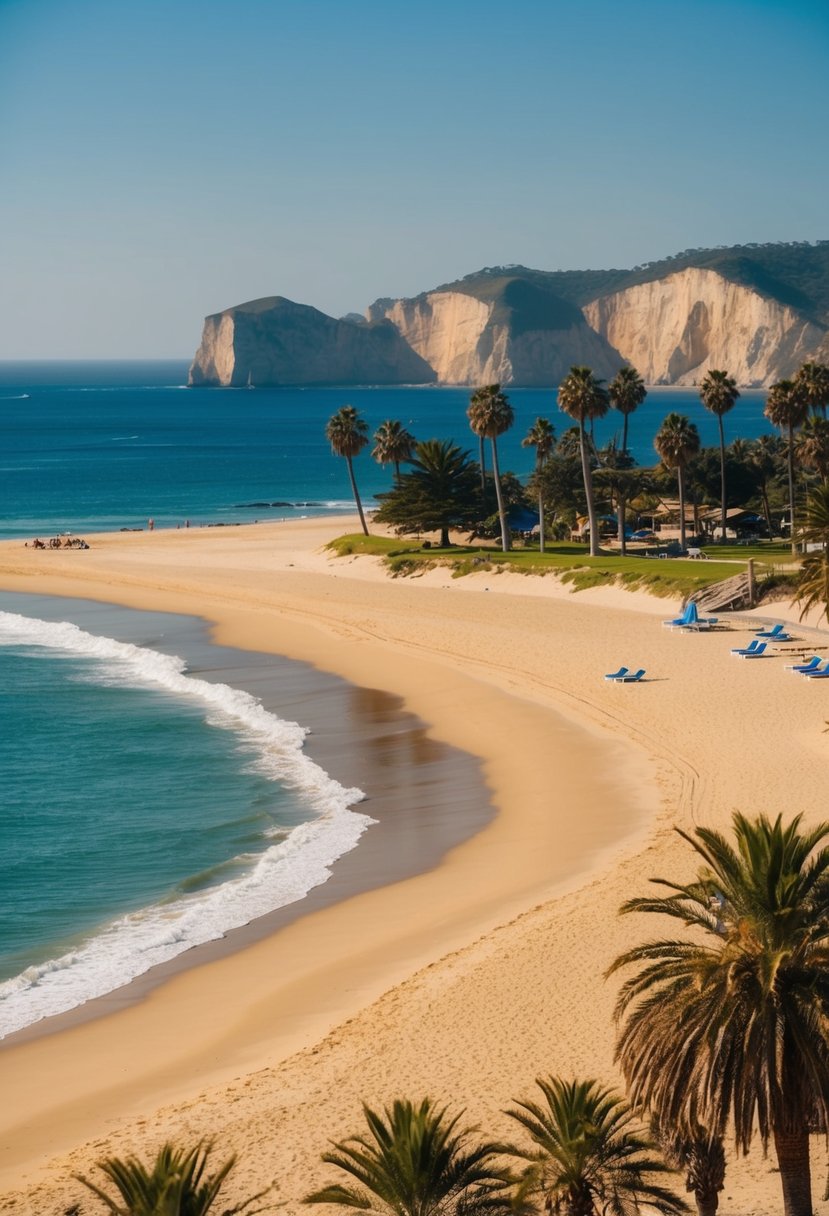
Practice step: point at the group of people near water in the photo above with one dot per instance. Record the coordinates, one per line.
(55, 542)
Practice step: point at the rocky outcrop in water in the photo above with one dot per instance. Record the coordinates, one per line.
(274, 341)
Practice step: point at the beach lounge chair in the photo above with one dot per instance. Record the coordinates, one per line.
(817, 673)
(617, 675)
(688, 618)
(776, 634)
(802, 668)
(755, 651)
(629, 677)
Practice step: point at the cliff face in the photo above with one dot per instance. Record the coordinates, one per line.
(673, 330)
(274, 341)
(520, 335)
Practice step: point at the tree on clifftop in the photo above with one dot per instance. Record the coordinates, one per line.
(348, 435)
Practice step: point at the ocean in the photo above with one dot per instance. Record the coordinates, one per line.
(158, 791)
(99, 446)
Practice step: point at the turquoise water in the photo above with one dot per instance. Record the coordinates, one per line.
(92, 447)
(145, 810)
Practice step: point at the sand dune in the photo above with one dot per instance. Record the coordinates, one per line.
(465, 982)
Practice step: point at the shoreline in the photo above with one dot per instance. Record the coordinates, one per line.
(444, 983)
(344, 723)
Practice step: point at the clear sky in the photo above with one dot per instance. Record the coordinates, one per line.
(164, 159)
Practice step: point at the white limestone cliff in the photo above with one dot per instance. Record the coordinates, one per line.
(673, 330)
(463, 340)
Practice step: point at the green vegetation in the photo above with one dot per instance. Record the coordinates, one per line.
(727, 1028)
(415, 1160)
(176, 1184)
(569, 560)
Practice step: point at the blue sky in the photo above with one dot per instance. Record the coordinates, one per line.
(166, 159)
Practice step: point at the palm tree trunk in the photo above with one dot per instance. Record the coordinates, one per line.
(356, 494)
(588, 492)
(707, 1202)
(680, 478)
(722, 477)
(482, 462)
(444, 538)
(502, 515)
(625, 434)
(622, 522)
(766, 508)
(792, 1150)
(791, 489)
(539, 465)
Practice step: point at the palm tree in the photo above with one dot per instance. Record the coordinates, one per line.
(718, 393)
(175, 1185)
(701, 1156)
(786, 409)
(416, 1161)
(813, 382)
(392, 445)
(542, 437)
(765, 461)
(677, 442)
(732, 1024)
(583, 398)
(490, 414)
(348, 435)
(626, 391)
(439, 492)
(589, 1155)
(813, 580)
(812, 448)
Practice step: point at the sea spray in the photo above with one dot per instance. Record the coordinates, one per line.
(297, 860)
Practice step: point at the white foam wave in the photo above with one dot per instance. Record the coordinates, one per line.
(284, 873)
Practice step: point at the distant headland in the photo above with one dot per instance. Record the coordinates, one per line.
(758, 311)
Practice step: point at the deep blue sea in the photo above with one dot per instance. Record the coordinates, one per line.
(145, 808)
(95, 447)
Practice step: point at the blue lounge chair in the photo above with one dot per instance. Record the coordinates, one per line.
(803, 668)
(687, 618)
(629, 677)
(818, 673)
(755, 651)
(777, 634)
(745, 649)
(617, 675)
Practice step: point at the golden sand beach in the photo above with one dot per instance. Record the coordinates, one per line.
(465, 982)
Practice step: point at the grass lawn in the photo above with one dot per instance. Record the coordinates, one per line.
(568, 561)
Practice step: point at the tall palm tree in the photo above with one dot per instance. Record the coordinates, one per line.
(392, 445)
(175, 1185)
(415, 1160)
(812, 447)
(347, 433)
(490, 414)
(588, 1155)
(813, 580)
(583, 397)
(718, 393)
(786, 408)
(542, 437)
(626, 392)
(765, 461)
(702, 1158)
(813, 381)
(677, 442)
(732, 1024)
